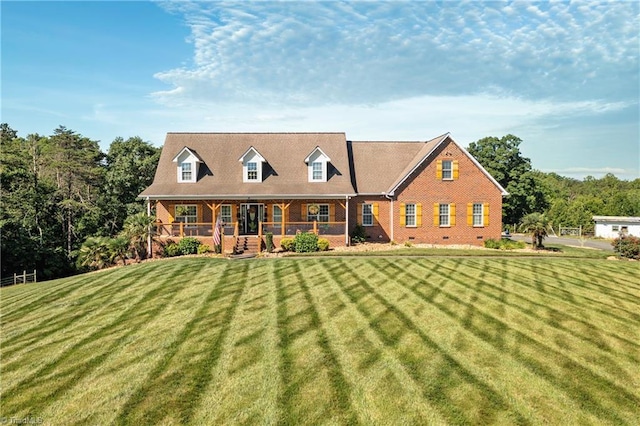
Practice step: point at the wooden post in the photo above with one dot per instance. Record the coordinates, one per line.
(34, 276)
(282, 222)
(24, 276)
(15, 278)
(181, 229)
(259, 236)
(315, 227)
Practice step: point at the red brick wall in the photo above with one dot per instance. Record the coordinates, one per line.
(471, 186)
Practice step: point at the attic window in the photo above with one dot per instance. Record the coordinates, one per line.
(252, 171)
(187, 163)
(252, 163)
(317, 165)
(187, 174)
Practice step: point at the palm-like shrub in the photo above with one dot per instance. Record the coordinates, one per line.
(536, 224)
(136, 230)
(94, 253)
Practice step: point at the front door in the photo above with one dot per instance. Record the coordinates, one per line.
(251, 214)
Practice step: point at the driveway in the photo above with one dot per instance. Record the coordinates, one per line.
(568, 241)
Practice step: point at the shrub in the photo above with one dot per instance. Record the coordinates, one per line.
(408, 244)
(203, 249)
(323, 244)
(188, 245)
(359, 234)
(269, 241)
(306, 242)
(504, 244)
(171, 249)
(287, 244)
(628, 247)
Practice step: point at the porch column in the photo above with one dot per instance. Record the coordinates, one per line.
(149, 228)
(346, 222)
(282, 221)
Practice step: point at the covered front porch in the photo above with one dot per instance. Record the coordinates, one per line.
(326, 218)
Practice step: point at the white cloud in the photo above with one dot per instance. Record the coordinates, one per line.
(350, 53)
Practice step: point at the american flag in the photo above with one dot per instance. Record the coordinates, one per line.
(216, 233)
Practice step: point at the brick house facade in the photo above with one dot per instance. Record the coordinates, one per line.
(284, 183)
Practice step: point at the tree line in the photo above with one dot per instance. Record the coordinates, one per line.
(61, 189)
(66, 205)
(562, 201)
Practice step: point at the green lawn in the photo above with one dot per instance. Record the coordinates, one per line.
(379, 340)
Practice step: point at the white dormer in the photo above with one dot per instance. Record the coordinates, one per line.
(317, 163)
(188, 163)
(252, 163)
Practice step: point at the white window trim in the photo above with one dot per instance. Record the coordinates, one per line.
(414, 215)
(317, 156)
(230, 213)
(318, 214)
(193, 171)
(450, 169)
(176, 215)
(481, 214)
(370, 214)
(448, 215)
(273, 213)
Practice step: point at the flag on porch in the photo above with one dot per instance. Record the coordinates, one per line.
(216, 232)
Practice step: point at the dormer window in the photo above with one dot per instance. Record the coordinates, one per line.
(317, 164)
(252, 171)
(188, 163)
(252, 163)
(317, 172)
(187, 175)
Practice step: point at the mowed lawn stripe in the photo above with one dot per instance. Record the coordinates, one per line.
(561, 306)
(33, 333)
(445, 382)
(35, 390)
(315, 389)
(544, 309)
(128, 365)
(381, 386)
(188, 361)
(591, 391)
(245, 382)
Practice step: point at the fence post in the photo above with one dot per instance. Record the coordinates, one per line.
(35, 280)
(315, 227)
(15, 278)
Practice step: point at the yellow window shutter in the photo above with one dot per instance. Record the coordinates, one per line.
(418, 214)
(470, 214)
(485, 212)
(234, 213)
(285, 213)
(171, 209)
(436, 214)
(439, 169)
(403, 214)
(303, 213)
(332, 212)
(199, 213)
(359, 213)
(455, 169)
(452, 214)
(375, 213)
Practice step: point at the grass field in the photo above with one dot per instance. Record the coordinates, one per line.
(377, 340)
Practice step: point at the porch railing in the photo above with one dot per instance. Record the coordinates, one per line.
(203, 229)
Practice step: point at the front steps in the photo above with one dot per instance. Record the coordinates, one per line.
(248, 245)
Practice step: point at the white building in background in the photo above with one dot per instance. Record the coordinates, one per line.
(614, 226)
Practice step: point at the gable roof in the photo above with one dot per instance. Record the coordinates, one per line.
(358, 167)
(255, 151)
(220, 175)
(190, 151)
(317, 148)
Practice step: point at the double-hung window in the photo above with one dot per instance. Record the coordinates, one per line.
(478, 214)
(187, 173)
(444, 219)
(318, 212)
(410, 215)
(186, 213)
(367, 214)
(252, 171)
(277, 214)
(447, 170)
(225, 214)
(317, 172)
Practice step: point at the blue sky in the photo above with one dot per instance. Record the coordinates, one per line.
(563, 76)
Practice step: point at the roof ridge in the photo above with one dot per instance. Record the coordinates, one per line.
(256, 133)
